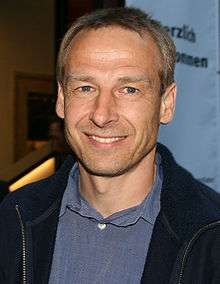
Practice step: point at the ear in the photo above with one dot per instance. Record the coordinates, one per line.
(168, 102)
(60, 102)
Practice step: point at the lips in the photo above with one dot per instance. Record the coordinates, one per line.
(106, 140)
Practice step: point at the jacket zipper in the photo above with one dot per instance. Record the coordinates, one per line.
(189, 246)
(24, 269)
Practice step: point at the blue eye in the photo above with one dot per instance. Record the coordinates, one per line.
(131, 90)
(85, 88)
(127, 91)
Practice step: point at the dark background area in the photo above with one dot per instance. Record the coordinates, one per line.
(68, 10)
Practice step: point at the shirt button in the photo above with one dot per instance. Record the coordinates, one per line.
(102, 226)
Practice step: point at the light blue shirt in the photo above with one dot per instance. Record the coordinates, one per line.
(90, 249)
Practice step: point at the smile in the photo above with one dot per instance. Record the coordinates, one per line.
(106, 140)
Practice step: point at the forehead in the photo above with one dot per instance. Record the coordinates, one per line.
(113, 46)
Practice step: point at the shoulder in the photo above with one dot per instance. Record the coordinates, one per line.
(182, 182)
(38, 196)
(187, 203)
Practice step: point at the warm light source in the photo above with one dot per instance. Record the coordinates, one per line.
(44, 170)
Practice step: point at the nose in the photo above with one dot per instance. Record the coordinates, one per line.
(104, 110)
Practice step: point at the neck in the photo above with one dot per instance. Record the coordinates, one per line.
(109, 195)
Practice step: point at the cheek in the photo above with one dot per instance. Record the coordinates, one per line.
(143, 112)
(145, 119)
(75, 110)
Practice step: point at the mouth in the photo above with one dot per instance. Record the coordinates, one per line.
(106, 141)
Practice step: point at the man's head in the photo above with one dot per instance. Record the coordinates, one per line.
(128, 18)
(115, 77)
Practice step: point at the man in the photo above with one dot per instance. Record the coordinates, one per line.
(125, 212)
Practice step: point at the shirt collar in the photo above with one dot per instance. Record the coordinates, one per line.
(71, 195)
(148, 209)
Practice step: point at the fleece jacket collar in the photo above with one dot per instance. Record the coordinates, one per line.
(187, 204)
(184, 200)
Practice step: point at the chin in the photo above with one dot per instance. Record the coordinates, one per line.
(108, 169)
(102, 170)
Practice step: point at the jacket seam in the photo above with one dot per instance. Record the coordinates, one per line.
(168, 226)
(46, 214)
(189, 246)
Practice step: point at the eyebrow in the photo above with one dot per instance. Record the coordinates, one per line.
(80, 77)
(123, 79)
(134, 79)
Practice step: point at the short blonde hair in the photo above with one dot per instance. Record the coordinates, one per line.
(129, 18)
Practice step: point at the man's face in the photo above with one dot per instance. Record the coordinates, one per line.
(110, 99)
